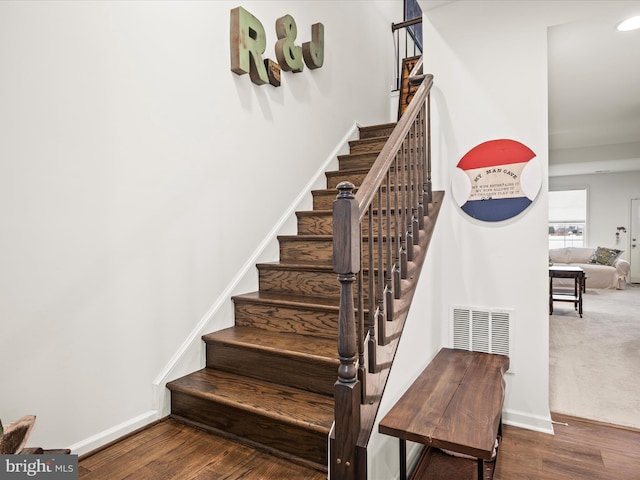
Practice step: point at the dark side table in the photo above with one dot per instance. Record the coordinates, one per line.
(456, 404)
(567, 295)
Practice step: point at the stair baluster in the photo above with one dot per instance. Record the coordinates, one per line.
(423, 208)
(428, 190)
(397, 236)
(389, 263)
(414, 181)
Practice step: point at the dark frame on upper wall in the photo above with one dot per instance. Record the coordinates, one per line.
(412, 10)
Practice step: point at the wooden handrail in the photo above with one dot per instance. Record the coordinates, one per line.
(373, 180)
(392, 200)
(406, 23)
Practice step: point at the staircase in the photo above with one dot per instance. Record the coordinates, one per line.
(269, 380)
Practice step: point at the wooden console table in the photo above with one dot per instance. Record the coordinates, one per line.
(454, 404)
(574, 296)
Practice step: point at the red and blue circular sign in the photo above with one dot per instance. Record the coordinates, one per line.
(497, 180)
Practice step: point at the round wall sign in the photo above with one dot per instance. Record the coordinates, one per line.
(497, 180)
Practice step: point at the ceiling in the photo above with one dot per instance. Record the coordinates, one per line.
(594, 93)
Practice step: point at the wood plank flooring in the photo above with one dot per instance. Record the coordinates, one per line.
(580, 449)
(171, 451)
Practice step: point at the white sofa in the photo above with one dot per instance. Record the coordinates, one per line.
(597, 270)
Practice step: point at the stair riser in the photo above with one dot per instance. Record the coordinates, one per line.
(267, 431)
(322, 224)
(295, 250)
(319, 224)
(377, 131)
(369, 145)
(311, 323)
(296, 282)
(323, 199)
(334, 178)
(308, 373)
(363, 160)
(307, 252)
(300, 282)
(357, 177)
(356, 162)
(375, 145)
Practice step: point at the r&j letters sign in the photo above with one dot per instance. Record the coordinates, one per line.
(249, 42)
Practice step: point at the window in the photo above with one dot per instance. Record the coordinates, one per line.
(412, 10)
(567, 218)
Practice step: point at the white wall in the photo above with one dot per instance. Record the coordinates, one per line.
(608, 205)
(489, 60)
(138, 176)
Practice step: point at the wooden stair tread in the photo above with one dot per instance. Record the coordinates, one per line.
(305, 267)
(320, 238)
(360, 155)
(290, 405)
(313, 213)
(295, 266)
(378, 126)
(333, 191)
(291, 300)
(348, 171)
(310, 238)
(351, 171)
(329, 213)
(364, 130)
(319, 349)
(376, 139)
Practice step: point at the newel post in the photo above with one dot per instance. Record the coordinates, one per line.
(346, 263)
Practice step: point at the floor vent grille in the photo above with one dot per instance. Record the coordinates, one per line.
(483, 330)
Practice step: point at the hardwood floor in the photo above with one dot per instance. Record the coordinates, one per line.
(580, 449)
(169, 450)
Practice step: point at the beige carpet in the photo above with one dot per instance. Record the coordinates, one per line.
(594, 361)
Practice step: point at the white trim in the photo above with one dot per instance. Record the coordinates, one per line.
(102, 438)
(160, 396)
(537, 423)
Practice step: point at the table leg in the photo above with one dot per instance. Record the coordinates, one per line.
(480, 469)
(580, 289)
(403, 459)
(550, 295)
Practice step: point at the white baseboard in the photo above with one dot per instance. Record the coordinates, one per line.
(118, 431)
(528, 421)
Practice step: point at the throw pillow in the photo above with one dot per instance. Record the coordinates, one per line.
(605, 256)
(615, 257)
